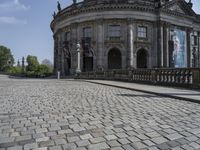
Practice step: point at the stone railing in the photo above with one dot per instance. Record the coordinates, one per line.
(184, 77)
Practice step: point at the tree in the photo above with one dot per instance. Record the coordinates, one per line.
(48, 63)
(32, 62)
(6, 58)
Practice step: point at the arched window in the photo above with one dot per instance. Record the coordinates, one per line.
(142, 58)
(114, 59)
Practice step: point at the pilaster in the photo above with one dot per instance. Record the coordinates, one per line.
(166, 44)
(100, 43)
(130, 44)
(189, 50)
(160, 44)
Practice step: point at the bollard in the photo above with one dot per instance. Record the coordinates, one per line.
(58, 75)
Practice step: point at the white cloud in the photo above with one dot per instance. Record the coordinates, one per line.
(12, 20)
(12, 5)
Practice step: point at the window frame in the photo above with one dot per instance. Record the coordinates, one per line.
(87, 34)
(114, 31)
(142, 34)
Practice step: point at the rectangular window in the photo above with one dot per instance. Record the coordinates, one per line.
(114, 31)
(87, 32)
(67, 36)
(142, 32)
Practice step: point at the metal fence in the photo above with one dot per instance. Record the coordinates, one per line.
(183, 77)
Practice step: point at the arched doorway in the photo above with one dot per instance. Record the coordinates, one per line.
(114, 59)
(67, 65)
(87, 63)
(142, 58)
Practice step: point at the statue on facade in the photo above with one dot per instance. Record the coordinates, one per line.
(54, 15)
(74, 2)
(59, 6)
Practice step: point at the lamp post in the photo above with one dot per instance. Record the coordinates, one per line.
(78, 69)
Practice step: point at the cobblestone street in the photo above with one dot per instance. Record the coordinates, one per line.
(67, 115)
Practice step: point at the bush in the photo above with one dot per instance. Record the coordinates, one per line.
(41, 71)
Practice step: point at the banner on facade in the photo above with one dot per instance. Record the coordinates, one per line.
(179, 52)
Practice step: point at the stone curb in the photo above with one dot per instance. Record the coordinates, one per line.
(149, 92)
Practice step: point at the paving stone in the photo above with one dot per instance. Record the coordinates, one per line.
(163, 146)
(110, 137)
(73, 139)
(30, 146)
(41, 130)
(83, 143)
(152, 134)
(60, 141)
(99, 146)
(23, 138)
(124, 141)
(142, 137)
(97, 140)
(195, 145)
(128, 147)
(139, 145)
(69, 146)
(173, 143)
(113, 143)
(187, 147)
(121, 135)
(55, 148)
(159, 140)
(134, 139)
(174, 136)
(148, 143)
(41, 148)
(42, 139)
(46, 143)
(15, 148)
(192, 138)
(117, 148)
(85, 136)
(6, 140)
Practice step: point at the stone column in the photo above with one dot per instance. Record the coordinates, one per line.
(78, 69)
(55, 54)
(59, 53)
(166, 45)
(198, 49)
(160, 44)
(62, 55)
(189, 50)
(130, 44)
(100, 43)
(74, 42)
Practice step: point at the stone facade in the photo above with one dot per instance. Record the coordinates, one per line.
(121, 34)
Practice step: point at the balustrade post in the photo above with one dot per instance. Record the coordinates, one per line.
(153, 75)
(196, 78)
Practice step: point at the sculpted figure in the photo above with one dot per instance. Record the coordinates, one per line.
(54, 15)
(58, 6)
(74, 1)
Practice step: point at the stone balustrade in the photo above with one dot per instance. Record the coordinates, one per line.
(183, 77)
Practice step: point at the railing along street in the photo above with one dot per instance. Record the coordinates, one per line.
(182, 77)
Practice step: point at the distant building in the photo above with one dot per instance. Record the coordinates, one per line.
(121, 34)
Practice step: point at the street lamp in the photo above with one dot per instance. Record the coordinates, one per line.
(78, 47)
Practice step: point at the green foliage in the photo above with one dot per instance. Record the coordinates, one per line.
(32, 63)
(41, 71)
(14, 70)
(34, 69)
(6, 58)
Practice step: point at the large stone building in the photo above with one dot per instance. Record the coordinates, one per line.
(121, 34)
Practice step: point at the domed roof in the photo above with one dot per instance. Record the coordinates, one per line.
(117, 1)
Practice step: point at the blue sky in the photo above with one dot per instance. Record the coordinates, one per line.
(25, 26)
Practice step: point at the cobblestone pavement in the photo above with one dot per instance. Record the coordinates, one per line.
(66, 115)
